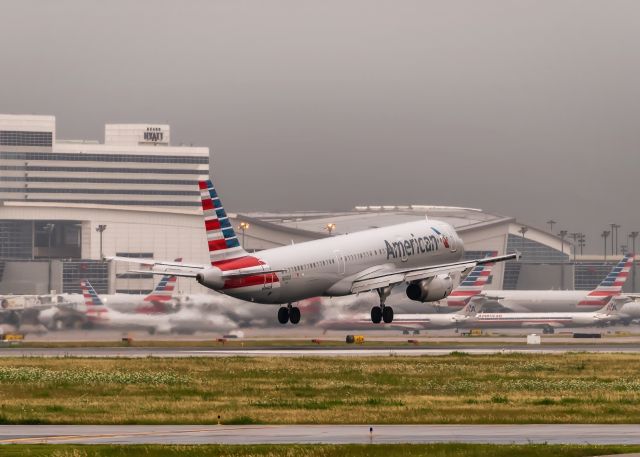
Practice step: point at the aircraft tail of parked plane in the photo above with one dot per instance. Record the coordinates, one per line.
(611, 285)
(472, 284)
(163, 291)
(96, 309)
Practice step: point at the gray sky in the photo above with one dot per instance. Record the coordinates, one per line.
(525, 108)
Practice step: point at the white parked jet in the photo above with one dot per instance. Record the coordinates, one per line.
(405, 321)
(422, 254)
(548, 321)
(183, 321)
(560, 300)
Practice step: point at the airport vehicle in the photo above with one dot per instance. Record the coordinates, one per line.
(560, 300)
(423, 254)
(183, 321)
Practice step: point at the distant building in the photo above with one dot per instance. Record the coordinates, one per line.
(55, 194)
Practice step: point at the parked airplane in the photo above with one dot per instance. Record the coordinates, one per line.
(549, 321)
(183, 321)
(404, 321)
(561, 300)
(422, 254)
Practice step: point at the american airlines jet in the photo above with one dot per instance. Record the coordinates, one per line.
(422, 254)
(183, 321)
(565, 300)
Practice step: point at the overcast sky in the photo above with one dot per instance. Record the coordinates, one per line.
(524, 108)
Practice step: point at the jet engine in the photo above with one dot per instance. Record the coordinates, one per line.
(211, 278)
(430, 289)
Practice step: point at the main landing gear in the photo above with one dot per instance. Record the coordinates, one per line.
(382, 313)
(289, 314)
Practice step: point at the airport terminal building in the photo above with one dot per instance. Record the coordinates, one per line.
(64, 203)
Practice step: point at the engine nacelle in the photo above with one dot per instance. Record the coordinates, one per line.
(211, 278)
(430, 289)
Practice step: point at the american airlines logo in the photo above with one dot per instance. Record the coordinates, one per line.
(413, 246)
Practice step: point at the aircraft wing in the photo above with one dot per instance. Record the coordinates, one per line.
(377, 280)
(188, 270)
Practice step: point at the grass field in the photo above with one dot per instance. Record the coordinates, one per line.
(504, 388)
(408, 450)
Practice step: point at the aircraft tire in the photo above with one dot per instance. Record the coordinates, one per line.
(294, 315)
(387, 314)
(376, 314)
(283, 315)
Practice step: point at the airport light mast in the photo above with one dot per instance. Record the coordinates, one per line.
(330, 228)
(49, 229)
(551, 223)
(100, 229)
(605, 234)
(562, 235)
(633, 236)
(244, 226)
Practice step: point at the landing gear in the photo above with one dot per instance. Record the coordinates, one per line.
(382, 312)
(283, 315)
(294, 315)
(289, 314)
(387, 314)
(376, 314)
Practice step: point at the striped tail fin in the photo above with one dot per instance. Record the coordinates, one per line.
(164, 289)
(611, 285)
(95, 306)
(221, 238)
(471, 285)
(613, 282)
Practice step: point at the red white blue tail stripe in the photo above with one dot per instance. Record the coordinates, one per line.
(611, 285)
(225, 251)
(164, 289)
(221, 238)
(95, 306)
(471, 285)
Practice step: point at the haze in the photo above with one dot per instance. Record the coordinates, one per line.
(524, 108)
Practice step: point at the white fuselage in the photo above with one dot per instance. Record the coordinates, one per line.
(400, 321)
(540, 320)
(329, 266)
(545, 301)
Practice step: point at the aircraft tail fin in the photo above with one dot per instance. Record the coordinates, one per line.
(613, 282)
(95, 306)
(472, 284)
(221, 237)
(164, 289)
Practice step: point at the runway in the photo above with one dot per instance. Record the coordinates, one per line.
(326, 434)
(309, 351)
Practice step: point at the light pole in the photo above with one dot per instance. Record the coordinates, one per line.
(100, 229)
(633, 236)
(244, 226)
(582, 241)
(523, 230)
(49, 229)
(605, 234)
(616, 227)
(574, 236)
(330, 227)
(562, 235)
(551, 223)
(613, 230)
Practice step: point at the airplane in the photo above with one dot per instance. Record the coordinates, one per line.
(183, 321)
(549, 321)
(422, 254)
(561, 300)
(406, 321)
